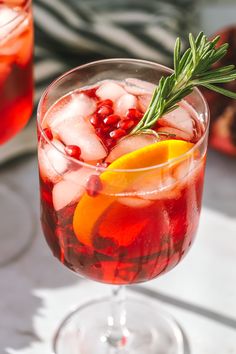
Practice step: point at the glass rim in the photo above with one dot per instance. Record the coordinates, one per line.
(141, 169)
(24, 8)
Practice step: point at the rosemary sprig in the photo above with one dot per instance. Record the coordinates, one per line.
(192, 69)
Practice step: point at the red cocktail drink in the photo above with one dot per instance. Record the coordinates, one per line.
(120, 202)
(16, 80)
(118, 227)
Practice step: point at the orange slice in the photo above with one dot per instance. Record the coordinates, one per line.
(90, 209)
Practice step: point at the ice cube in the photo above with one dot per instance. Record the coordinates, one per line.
(86, 105)
(18, 44)
(155, 185)
(144, 101)
(92, 148)
(175, 133)
(179, 119)
(77, 123)
(187, 169)
(138, 87)
(183, 168)
(110, 90)
(9, 22)
(64, 192)
(125, 102)
(25, 53)
(75, 129)
(52, 163)
(80, 105)
(7, 14)
(71, 188)
(130, 144)
(134, 202)
(198, 127)
(81, 133)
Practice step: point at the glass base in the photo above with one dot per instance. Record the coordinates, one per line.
(16, 226)
(150, 330)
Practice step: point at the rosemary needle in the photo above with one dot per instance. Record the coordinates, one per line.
(191, 69)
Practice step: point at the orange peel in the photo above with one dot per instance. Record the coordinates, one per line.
(90, 209)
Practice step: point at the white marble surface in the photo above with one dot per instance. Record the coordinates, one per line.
(37, 292)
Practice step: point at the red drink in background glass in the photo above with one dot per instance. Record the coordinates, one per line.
(143, 231)
(16, 78)
(16, 104)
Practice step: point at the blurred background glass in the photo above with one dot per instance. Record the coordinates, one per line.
(16, 104)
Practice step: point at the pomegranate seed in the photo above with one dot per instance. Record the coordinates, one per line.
(107, 129)
(125, 124)
(94, 120)
(110, 143)
(134, 113)
(117, 133)
(90, 92)
(94, 186)
(105, 103)
(104, 111)
(113, 118)
(73, 151)
(48, 133)
(100, 132)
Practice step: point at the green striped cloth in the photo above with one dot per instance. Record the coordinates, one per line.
(71, 32)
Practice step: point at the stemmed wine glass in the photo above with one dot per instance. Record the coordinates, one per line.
(16, 103)
(108, 221)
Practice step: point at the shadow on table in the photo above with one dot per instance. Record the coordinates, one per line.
(19, 281)
(36, 269)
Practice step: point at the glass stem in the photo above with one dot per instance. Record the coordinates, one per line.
(117, 334)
